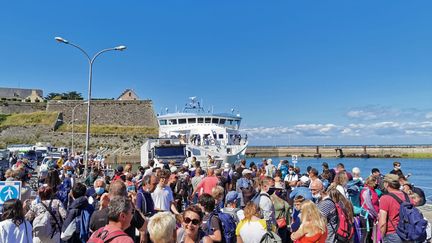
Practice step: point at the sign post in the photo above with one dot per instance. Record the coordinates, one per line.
(294, 159)
(9, 190)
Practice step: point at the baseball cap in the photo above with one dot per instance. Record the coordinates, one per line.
(391, 178)
(120, 169)
(231, 197)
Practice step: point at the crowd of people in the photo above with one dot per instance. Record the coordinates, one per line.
(186, 203)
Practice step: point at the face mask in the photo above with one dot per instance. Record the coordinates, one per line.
(130, 188)
(99, 190)
(397, 167)
(317, 196)
(69, 172)
(291, 172)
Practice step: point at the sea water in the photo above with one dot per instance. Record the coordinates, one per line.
(420, 169)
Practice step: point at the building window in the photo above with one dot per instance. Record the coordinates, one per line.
(221, 136)
(130, 94)
(191, 120)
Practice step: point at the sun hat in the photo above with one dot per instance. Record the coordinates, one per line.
(246, 171)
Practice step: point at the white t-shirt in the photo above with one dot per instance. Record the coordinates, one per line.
(291, 177)
(251, 231)
(9, 232)
(162, 198)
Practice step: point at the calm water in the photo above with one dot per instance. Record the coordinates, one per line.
(421, 169)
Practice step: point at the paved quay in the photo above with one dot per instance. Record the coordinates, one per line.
(427, 211)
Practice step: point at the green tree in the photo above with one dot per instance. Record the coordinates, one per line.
(51, 96)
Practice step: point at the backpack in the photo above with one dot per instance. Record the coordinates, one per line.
(42, 227)
(412, 225)
(270, 237)
(228, 226)
(257, 198)
(353, 189)
(83, 223)
(344, 230)
(102, 236)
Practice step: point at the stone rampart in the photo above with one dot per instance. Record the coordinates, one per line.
(12, 107)
(107, 112)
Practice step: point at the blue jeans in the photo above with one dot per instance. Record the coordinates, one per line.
(394, 238)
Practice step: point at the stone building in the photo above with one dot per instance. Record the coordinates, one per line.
(31, 95)
(128, 94)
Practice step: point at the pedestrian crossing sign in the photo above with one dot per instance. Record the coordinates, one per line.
(9, 190)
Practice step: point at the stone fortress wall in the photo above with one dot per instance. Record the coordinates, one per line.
(107, 112)
(12, 107)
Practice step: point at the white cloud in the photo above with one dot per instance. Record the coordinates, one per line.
(376, 130)
(376, 113)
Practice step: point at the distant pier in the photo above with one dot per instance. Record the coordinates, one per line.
(337, 151)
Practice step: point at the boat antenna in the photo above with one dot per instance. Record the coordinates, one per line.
(166, 110)
(232, 110)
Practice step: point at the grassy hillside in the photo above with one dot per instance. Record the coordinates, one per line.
(28, 119)
(111, 129)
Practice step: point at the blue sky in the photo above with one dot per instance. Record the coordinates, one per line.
(299, 72)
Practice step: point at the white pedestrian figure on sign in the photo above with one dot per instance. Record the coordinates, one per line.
(9, 193)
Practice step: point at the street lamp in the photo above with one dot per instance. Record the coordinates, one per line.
(73, 121)
(91, 61)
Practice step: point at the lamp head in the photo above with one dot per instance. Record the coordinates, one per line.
(59, 39)
(120, 48)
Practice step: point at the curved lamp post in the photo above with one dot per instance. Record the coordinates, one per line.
(91, 61)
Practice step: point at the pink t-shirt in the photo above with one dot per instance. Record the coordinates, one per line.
(118, 239)
(207, 184)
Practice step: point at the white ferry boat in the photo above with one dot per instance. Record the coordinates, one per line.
(199, 134)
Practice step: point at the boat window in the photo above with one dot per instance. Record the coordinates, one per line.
(221, 136)
(215, 120)
(237, 122)
(207, 120)
(222, 121)
(200, 120)
(191, 120)
(230, 122)
(173, 121)
(163, 122)
(182, 121)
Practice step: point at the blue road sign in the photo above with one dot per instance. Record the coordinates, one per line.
(9, 190)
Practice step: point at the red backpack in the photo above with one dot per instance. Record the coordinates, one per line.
(344, 228)
(102, 236)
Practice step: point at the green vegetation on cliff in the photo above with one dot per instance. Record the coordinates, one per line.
(28, 119)
(111, 129)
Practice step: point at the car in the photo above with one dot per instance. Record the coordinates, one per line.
(44, 164)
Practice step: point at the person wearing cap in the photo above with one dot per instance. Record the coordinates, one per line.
(231, 201)
(245, 187)
(389, 209)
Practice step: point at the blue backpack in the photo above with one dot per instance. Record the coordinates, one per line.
(83, 223)
(412, 225)
(228, 226)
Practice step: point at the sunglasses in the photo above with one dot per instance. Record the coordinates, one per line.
(194, 221)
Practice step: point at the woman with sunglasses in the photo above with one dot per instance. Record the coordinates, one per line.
(190, 231)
